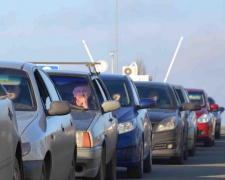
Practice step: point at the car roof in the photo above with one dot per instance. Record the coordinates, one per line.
(178, 86)
(151, 83)
(67, 72)
(112, 76)
(14, 64)
(195, 90)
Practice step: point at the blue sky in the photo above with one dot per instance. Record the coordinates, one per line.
(148, 30)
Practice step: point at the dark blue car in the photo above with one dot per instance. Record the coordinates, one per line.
(134, 144)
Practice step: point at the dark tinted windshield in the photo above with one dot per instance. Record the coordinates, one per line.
(19, 89)
(75, 90)
(118, 91)
(158, 93)
(197, 98)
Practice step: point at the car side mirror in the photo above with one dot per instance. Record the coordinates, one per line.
(190, 106)
(59, 108)
(146, 103)
(221, 109)
(214, 107)
(110, 105)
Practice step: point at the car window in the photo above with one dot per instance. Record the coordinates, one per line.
(19, 88)
(100, 92)
(180, 95)
(3, 92)
(72, 88)
(160, 94)
(118, 91)
(197, 98)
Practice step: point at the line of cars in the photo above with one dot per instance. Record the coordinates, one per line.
(77, 124)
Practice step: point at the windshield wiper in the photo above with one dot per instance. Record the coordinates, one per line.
(81, 108)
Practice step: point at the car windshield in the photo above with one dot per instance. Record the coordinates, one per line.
(197, 98)
(158, 93)
(19, 89)
(118, 91)
(76, 91)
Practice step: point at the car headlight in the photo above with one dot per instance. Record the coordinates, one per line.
(126, 126)
(204, 118)
(83, 140)
(167, 124)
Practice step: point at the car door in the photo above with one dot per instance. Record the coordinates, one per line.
(110, 122)
(7, 132)
(58, 127)
(142, 115)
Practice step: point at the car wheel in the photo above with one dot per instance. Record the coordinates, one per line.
(111, 168)
(186, 150)
(218, 135)
(208, 143)
(148, 162)
(137, 171)
(180, 159)
(16, 171)
(43, 171)
(102, 167)
(192, 151)
(72, 171)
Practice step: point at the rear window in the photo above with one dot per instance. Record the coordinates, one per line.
(74, 90)
(160, 94)
(197, 98)
(19, 89)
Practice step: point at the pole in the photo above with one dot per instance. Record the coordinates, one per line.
(88, 52)
(174, 56)
(117, 36)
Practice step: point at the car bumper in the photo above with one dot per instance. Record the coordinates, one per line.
(162, 140)
(32, 169)
(128, 148)
(88, 161)
(205, 132)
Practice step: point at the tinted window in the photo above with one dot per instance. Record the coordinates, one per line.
(18, 88)
(118, 91)
(160, 94)
(197, 98)
(74, 90)
(180, 95)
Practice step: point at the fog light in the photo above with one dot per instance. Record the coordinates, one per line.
(169, 146)
(202, 132)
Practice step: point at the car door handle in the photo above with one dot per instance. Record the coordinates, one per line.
(62, 128)
(110, 119)
(10, 114)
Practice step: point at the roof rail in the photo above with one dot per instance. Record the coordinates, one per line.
(90, 65)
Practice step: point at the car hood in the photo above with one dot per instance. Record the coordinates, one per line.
(24, 118)
(125, 114)
(82, 120)
(159, 115)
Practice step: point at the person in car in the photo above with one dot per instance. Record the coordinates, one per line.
(81, 95)
(159, 100)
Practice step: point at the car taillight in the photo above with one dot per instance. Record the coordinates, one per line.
(83, 140)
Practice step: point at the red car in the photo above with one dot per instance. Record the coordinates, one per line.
(206, 120)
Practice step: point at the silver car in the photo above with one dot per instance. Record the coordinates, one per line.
(44, 123)
(192, 120)
(11, 166)
(96, 124)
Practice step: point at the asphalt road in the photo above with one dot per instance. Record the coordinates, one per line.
(208, 163)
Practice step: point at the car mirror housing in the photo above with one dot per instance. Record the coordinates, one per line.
(190, 106)
(59, 108)
(214, 107)
(221, 109)
(110, 105)
(146, 103)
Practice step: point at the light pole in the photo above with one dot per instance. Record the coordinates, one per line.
(117, 36)
(112, 58)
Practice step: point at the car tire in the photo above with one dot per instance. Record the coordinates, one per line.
(180, 159)
(208, 143)
(148, 162)
(218, 135)
(186, 150)
(102, 168)
(192, 151)
(16, 171)
(43, 171)
(111, 168)
(137, 171)
(72, 171)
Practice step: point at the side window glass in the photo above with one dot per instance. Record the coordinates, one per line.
(135, 93)
(99, 91)
(50, 86)
(106, 93)
(177, 97)
(43, 90)
(3, 92)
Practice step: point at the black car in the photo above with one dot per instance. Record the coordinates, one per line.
(168, 119)
(134, 144)
(217, 115)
